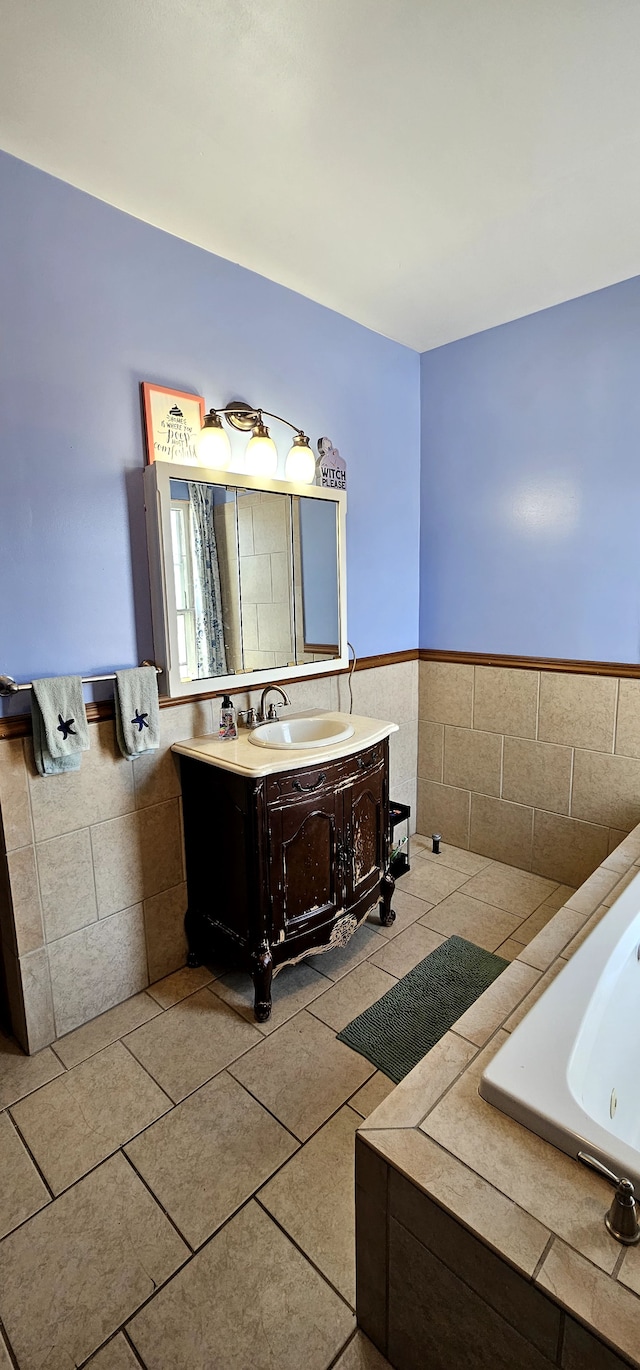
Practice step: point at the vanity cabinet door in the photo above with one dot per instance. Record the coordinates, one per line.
(364, 838)
(306, 876)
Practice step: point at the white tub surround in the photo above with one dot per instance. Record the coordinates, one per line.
(239, 755)
(570, 1070)
(477, 1240)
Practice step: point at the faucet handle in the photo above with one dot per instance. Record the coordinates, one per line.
(272, 713)
(251, 717)
(621, 1220)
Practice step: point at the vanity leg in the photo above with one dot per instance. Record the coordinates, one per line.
(262, 973)
(194, 940)
(387, 887)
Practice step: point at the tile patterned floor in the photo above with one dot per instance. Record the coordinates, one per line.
(173, 1148)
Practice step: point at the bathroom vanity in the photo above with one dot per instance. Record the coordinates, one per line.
(287, 840)
(287, 851)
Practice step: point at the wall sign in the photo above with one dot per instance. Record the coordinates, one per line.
(331, 470)
(172, 420)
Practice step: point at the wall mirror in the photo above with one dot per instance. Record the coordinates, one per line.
(247, 578)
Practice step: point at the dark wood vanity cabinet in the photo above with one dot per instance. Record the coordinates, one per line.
(283, 866)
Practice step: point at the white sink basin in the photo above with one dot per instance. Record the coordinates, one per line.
(294, 734)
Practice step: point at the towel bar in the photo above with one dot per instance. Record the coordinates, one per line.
(8, 685)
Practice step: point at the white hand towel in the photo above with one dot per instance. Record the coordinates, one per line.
(137, 711)
(59, 721)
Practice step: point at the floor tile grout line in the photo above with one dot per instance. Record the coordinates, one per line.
(103, 1161)
(124, 1327)
(103, 1346)
(480, 899)
(164, 1008)
(171, 1102)
(159, 1203)
(226, 1069)
(338, 1357)
(121, 1035)
(33, 1159)
(124, 1043)
(331, 1026)
(52, 1047)
(4, 1335)
(320, 1125)
(133, 1349)
(304, 1253)
(175, 1103)
(193, 1252)
(263, 1183)
(122, 1145)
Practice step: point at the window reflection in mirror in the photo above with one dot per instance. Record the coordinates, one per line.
(256, 579)
(205, 569)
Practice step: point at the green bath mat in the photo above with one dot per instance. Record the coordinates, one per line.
(401, 1027)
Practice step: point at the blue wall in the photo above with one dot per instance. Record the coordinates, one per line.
(530, 529)
(92, 302)
(530, 501)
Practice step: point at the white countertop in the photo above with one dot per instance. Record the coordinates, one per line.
(240, 755)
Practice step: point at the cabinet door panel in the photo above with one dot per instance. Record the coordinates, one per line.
(306, 876)
(364, 836)
(365, 843)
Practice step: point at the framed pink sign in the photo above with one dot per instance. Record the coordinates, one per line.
(172, 421)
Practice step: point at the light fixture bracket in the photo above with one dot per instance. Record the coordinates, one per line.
(241, 416)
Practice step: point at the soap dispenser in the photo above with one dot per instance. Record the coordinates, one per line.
(228, 724)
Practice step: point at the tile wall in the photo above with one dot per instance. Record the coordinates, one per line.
(264, 532)
(539, 769)
(92, 889)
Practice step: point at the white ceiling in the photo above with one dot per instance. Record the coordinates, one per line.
(427, 167)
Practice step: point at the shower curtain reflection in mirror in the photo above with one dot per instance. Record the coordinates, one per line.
(201, 644)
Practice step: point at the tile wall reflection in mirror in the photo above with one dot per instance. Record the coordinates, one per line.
(256, 579)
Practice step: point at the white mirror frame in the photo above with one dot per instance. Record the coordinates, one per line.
(157, 496)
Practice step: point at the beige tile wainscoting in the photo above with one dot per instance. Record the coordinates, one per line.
(537, 768)
(478, 1243)
(92, 889)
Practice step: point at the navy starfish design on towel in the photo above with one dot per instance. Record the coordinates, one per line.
(141, 720)
(65, 728)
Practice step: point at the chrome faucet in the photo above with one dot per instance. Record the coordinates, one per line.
(621, 1220)
(272, 712)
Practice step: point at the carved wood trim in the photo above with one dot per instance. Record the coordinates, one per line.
(627, 669)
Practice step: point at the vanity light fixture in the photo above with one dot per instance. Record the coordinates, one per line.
(212, 445)
(261, 457)
(300, 465)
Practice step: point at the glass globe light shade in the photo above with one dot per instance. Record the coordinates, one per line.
(212, 445)
(300, 465)
(261, 457)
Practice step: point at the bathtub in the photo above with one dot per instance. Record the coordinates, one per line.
(571, 1069)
